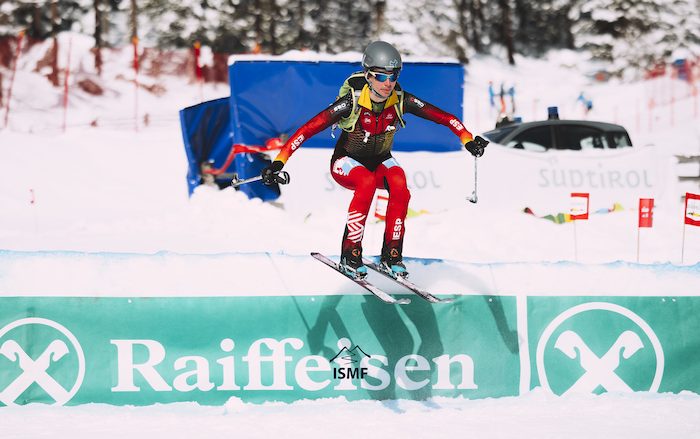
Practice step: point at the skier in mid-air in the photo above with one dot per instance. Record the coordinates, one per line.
(370, 108)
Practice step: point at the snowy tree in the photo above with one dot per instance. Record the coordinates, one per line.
(42, 19)
(343, 25)
(421, 27)
(506, 28)
(624, 33)
(214, 23)
(682, 38)
(543, 25)
(8, 23)
(174, 23)
(477, 25)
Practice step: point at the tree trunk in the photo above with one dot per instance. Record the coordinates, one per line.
(273, 14)
(507, 29)
(379, 10)
(476, 16)
(301, 38)
(36, 31)
(53, 76)
(568, 35)
(134, 20)
(323, 31)
(463, 30)
(98, 37)
(523, 18)
(258, 27)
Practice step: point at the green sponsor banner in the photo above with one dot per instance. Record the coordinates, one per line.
(143, 351)
(614, 344)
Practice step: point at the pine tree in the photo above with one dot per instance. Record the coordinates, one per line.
(477, 25)
(506, 34)
(682, 39)
(433, 22)
(8, 23)
(543, 25)
(624, 33)
(36, 17)
(342, 25)
(99, 29)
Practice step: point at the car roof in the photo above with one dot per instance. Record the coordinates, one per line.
(605, 126)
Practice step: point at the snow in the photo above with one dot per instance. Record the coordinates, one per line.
(85, 209)
(536, 415)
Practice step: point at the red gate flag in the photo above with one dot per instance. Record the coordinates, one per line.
(692, 209)
(381, 205)
(197, 66)
(579, 206)
(646, 212)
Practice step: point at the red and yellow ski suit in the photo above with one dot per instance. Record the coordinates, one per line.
(362, 160)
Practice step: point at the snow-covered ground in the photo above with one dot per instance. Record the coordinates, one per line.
(536, 415)
(71, 202)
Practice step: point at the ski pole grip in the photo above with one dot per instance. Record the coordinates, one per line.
(235, 180)
(282, 177)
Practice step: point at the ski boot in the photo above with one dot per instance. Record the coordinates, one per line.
(392, 263)
(351, 263)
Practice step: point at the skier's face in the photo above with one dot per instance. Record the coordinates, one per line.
(385, 87)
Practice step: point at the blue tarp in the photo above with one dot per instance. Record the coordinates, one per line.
(206, 131)
(270, 98)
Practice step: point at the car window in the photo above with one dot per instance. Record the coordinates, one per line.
(533, 139)
(581, 137)
(499, 134)
(620, 139)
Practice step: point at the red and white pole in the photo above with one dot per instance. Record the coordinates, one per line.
(65, 84)
(20, 37)
(199, 75)
(135, 43)
(673, 98)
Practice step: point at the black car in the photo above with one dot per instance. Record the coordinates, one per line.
(560, 134)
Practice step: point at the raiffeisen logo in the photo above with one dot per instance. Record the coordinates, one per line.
(29, 350)
(599, 347)
(272, 366)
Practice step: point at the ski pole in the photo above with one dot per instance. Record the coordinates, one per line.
(474, 198)
(281, 178)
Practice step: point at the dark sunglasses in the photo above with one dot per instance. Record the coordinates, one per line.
(381, 77)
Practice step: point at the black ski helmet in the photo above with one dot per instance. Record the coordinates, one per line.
(381, 55)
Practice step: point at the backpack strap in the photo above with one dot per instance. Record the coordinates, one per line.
(355, 84)
(399, 105)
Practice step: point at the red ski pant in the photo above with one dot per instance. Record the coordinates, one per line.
(389, 175)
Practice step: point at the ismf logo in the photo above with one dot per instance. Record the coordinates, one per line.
(40, 360)
(349, 360)
(599, 347)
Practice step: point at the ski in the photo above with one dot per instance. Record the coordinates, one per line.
(405, 283)
(362, 282)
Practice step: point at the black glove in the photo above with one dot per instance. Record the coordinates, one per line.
(476, 146)
(269, 174)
